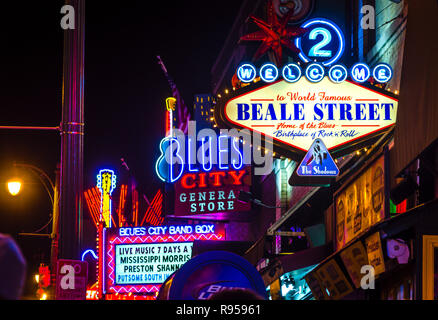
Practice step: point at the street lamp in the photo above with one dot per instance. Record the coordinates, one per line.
(14, 187)
(52, 189)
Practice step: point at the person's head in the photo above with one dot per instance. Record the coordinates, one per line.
(12, 269)
(236, 294)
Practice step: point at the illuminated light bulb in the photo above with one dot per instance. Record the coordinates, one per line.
(219, 95)
(358, 152)
(37, 278)
(336, 160)
(14, 187)
(211, 119)
(226, 91)
(365, 149)
(44, 296)
(396, 91)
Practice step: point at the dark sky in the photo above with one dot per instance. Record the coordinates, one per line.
(125, 89)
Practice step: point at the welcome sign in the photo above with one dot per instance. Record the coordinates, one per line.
(295, 114)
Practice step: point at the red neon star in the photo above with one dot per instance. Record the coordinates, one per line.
(274, 34)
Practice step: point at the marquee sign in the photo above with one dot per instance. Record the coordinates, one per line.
(140, 259)
(295, 114)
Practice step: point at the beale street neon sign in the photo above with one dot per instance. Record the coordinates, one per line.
(294, 115)
(315, 98)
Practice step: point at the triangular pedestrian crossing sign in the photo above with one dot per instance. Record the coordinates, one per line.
(318, 162)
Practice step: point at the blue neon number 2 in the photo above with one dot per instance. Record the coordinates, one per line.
(316, 51)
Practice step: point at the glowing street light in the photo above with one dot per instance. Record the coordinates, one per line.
(14, 187)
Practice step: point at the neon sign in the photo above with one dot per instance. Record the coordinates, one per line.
(167, 230)
(382, 73)
(360, 72)
(170, 108)
(291, 72)
(322, 46)
(193, 156)
(338, 73)
(212, 192)
(89, 251)
(164, 166)
(106, 182)
(318, 162)
(324, 42)
(295, 114)
(139, 259)
(315, 72)
(246, 72)
(268, 72)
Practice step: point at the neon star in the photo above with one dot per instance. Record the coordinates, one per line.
(274, 34)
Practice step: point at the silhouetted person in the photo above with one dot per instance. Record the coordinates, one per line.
(12, 269)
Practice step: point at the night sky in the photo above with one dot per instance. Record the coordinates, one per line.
(125, 91)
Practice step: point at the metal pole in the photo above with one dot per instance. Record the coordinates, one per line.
(72, 137)
(28, 128)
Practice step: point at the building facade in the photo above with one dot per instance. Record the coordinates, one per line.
(376, 212)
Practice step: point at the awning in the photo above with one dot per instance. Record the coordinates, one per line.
(285, 263)
(339, 277)
(304, 258)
